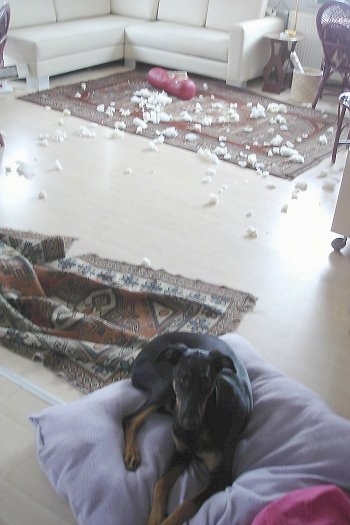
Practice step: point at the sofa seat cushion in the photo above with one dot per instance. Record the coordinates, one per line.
(65, 38)
(181, 39)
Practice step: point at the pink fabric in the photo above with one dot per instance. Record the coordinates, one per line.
(321, 505)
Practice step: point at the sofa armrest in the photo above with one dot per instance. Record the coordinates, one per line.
(249, 51)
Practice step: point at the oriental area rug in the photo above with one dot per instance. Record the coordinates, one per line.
(86, 318)
(219, 123)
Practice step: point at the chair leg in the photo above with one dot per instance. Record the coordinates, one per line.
(325, 77)
(2, 143)
(341, 114)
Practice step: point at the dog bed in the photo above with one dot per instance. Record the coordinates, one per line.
(293, 441)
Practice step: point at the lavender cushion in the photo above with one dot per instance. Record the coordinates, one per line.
(293, 441)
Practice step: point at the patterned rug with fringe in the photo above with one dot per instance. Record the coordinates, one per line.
(87, 318)
(220, 122)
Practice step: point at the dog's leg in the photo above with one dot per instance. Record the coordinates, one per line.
(185, 511)
(162, 487)
(133, 423)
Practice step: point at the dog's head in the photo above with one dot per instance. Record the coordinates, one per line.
(195, 374)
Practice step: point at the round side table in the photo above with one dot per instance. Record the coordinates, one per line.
(278, 72)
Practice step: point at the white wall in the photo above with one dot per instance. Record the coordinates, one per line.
(309, 6)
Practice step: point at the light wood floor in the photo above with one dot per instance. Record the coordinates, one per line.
(301, 322)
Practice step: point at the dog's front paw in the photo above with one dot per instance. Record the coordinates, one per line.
(132, 457)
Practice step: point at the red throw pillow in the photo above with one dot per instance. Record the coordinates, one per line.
(160, 78)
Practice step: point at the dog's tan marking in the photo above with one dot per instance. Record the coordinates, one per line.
(160, 494)
(131, 451)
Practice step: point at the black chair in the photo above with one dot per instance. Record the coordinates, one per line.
(4, 26)
(333, 27)
(343, 106)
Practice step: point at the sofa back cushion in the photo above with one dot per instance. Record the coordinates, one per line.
(31, 13)
(191, 12)
(146, 9)
(223, 14)
(75, 9)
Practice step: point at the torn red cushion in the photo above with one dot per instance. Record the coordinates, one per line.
(173, 84)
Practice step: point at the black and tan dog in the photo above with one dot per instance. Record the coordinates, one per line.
(200, 381)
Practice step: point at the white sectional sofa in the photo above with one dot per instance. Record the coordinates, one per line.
(216, 38)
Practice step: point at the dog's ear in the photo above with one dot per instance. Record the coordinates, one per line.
(172, 353)
(221, 361)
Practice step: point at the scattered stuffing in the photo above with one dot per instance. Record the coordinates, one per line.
(116, 133)
(220, 150)
(66, 112)
(145, 261)
(284, 208)
(295, 194)
(213, 198)
(140, 124)
(242, 163)
(286, 152)
(59, 135)
(257, 111)
(170, 133)
(42, 195)
(207, 156)
(100, 108)
(128, 171)
(43, 142)
(85, 132)
(124, 112)
(58, 165)
(323, 140)
(191, 137)
(207, 120)
(329, 185)
(323, 173)
(251, 232)
(206, 179)
(152, 146)
(25, 170)
(251, 160)
(211, 172)
(159, 140)
(277, 140)
(48, 108)
(300, 185)
(120, 124)
(249, 213)
(8, 170)
(275, 107)
(330, 130)
(185, 116)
